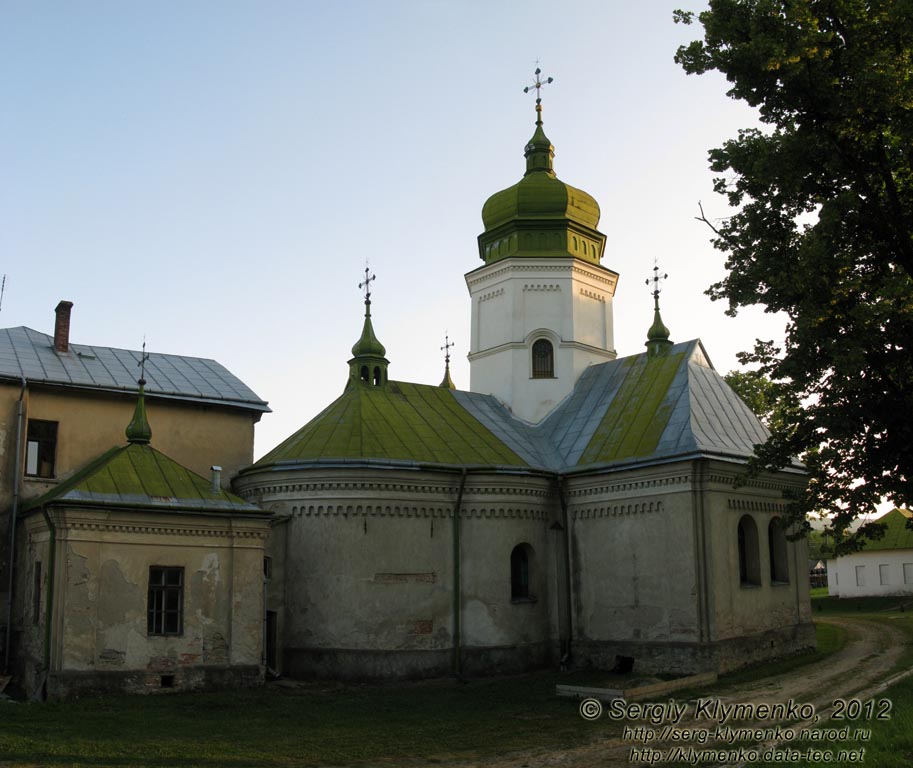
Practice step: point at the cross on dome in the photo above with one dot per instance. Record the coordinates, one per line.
(366, 284)
(538, 85)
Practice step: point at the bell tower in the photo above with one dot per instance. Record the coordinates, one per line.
(542, 302)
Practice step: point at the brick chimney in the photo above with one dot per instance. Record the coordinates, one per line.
(62, 326)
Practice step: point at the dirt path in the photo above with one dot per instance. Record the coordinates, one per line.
(857, 671)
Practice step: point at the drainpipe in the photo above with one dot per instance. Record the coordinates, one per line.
(52, 556)
(17, 474)
(568, 585)
(457, 594)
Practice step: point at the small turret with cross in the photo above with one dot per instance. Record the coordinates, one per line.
(658, 336)
(539, 150)
(368, 364)
(447, 382)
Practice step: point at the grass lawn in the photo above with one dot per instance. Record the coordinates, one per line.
(417, 724)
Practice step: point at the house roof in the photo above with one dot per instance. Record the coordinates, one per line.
(643, 408)
(139, 477)
(28, 353)
(896, 535)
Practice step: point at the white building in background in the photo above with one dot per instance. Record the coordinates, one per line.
(884, 567)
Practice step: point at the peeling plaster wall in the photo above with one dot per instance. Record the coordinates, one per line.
(369, 569)
(196, 436)
(656, 569)
(100, 639)
(633, 557)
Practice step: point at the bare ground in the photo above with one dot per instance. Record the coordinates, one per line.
(860, 670)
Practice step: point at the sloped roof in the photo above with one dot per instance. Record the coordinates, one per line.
(631, 410)
(29, 353)
(397, 422)
(896, 535)
(650, 408)
(139, 477)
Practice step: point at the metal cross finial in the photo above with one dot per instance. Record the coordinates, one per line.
(446, 348)
(539, 82)
(657, 280)
(366, 284)
(142, 365)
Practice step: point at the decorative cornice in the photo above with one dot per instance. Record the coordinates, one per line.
(386, 488)
(567, 264)
(615, 510)
(628, 487)
(541, 287)
(163, 530)
(491, 294)
(755, 505)
(592, 295)
(405, 510)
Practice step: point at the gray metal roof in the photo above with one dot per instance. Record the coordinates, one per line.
(632, 410)
(29, 353)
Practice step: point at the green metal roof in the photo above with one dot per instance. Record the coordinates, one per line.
(634, 423)
(397, 421)
(643, 408)
(896, 535)
(138, 476)
(540, 215)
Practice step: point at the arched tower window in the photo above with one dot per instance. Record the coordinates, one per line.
(520, 571)
(776, 539)
(364, 373)
(378, 380)
(749, 560)
(543, 359)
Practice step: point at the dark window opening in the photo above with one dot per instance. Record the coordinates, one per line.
(267, 567)
(749, 560)
(40, 448)
(377, 377)
(165, 615)
(520, 573)
(364, 373)
(779, 564)
(167, 681)
(543, 360)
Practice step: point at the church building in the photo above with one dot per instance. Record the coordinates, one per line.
(570, 507)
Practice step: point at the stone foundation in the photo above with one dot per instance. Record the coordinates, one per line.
(692, 658)
(70, 685)
(349, 664)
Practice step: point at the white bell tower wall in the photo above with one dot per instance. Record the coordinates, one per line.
(516, 302)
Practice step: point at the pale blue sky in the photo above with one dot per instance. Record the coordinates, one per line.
(212, 175)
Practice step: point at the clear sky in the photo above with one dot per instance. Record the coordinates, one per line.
(212, 175)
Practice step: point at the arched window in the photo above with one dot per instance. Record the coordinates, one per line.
(776, 539)
(749, 560)
(543, 359)
(520, 572)
(364, 373)
(378, 377)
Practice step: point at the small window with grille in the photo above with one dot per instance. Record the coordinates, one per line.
(543, 359)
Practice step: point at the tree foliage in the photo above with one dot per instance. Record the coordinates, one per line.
(823, 231)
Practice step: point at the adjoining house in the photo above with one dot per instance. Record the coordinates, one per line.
(63, 409)
(883, 567)
(142, 575)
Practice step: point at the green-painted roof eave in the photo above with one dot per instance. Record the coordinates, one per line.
(138, 476)
(397, 421)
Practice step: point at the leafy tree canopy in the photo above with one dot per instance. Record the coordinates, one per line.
(823, 231)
